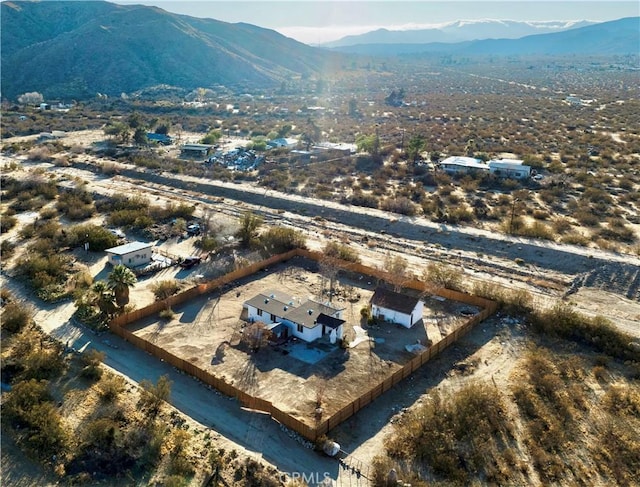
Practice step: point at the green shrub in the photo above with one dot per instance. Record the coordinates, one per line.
(7, 222)
(164, 289)
(281, 239)
(97, 237)
(15, 316)
(596, 332)
(341, 251)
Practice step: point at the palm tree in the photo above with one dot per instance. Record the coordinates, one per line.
(120, 280)
(102, 296)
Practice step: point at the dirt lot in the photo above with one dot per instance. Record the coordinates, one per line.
(207, 332)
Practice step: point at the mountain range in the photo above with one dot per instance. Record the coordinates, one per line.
(76, 49)
(606, 38)
(459, 31)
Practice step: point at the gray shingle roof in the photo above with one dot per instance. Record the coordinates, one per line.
(386, 298)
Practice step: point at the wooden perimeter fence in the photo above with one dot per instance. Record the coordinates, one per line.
(118, 324)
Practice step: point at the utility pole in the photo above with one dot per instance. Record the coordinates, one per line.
(513, 211)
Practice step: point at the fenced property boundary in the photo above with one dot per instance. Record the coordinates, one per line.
(118, 324)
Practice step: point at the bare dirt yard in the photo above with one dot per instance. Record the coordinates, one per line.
(296, 376)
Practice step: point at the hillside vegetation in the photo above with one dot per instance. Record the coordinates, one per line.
(124, 48)
(569, 416)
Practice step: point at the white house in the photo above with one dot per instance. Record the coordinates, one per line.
(509, 168)
(283, 142)
(133, 254)
(462, 164)
(308, 320)
(395, 307)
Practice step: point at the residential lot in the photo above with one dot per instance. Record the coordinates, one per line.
(296, 376)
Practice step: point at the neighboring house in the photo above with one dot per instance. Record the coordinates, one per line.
(462, 165)
(308, 320)
(283, 142)
(396, 307)
(163, 139)
(194, 151)
(337, 149)
(509, 168)
(133, 254)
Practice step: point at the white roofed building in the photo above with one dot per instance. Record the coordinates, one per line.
(133, 254)
(509, 168)
(462, 165)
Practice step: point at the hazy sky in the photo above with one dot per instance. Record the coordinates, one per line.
(321, 21)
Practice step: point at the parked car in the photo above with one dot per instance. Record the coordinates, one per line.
(193, 229)
(189, 262)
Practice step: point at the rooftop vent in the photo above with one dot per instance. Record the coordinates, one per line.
(310, 311)
(266, 300)
(286, 308)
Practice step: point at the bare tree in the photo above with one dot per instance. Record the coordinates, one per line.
(256, 335)
(396, 267)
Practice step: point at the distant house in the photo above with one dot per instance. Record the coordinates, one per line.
(462, 165)
(337, 149)
(308, 320)
(509, 168)
(163, 139)
(195, 151)
(133, 254)
(395, 307)
(283, 142)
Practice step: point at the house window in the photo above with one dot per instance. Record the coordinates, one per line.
(259, 312)
(300, 329)
(273, 317)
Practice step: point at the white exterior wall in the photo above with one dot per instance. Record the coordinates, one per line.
(406, 320)
(252, 315)
(132, 259)
(308, 334)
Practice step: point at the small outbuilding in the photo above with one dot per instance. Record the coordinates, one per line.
(133, 254)
(395, 307)
(196, 151)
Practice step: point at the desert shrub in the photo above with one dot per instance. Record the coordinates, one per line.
(110, 387)
(76, 204)
(41, 431)
(130, 219)
(444, 276)
(561, 225)
(537, 230)
(153, 395)
(166, 314)
(164, 289)
(617, 231)
(120, 201)
(15, 316)
(47, 274)
(97, 237)
(277, 240)
(363, 199)
(7, 222)
(207, 243)
(43, 364)
(622, 400)
(341, 251)
(596, 332)
(455, 435)
(48, 213)
(401, 205)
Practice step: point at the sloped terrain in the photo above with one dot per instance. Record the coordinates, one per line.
(76, 49)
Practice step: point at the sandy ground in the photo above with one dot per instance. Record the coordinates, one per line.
(207, 331)
(549, 271)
